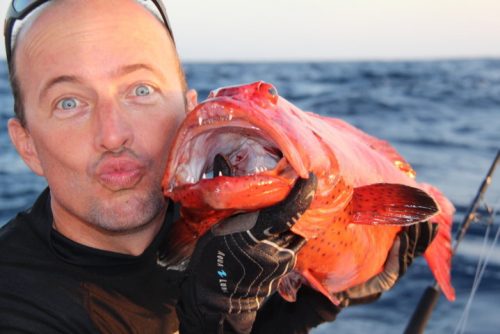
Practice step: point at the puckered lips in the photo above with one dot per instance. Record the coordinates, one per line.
(119, 173)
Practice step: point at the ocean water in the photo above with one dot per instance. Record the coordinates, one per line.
(442, 116)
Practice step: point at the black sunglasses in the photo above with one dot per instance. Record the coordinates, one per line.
(19, 9)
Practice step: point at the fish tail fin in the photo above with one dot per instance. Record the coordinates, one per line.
(439, 252)
(178, 245)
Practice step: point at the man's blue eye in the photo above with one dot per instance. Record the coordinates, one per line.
(67, 104)
(142, 90)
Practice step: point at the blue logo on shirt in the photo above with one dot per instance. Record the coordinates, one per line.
(222, 273)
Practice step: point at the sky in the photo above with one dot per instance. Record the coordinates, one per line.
(260, 30)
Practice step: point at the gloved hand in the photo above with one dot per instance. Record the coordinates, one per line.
(239, 262)
(312, 308)
(412, 241)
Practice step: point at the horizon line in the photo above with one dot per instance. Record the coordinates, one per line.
(333, 60)
(340, 60)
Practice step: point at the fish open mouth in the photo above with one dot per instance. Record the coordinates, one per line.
(246, 150)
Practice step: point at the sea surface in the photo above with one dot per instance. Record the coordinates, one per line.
(442, 116)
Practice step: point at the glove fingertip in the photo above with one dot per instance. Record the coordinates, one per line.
(302, 193)
(296, 243)
(434, 230)
(405, 258)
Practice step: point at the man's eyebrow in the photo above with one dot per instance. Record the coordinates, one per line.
(56, 81)
(135, 67)
(124, 70)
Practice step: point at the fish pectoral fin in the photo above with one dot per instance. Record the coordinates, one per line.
(391, 204)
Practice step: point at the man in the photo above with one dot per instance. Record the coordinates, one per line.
(99, 93)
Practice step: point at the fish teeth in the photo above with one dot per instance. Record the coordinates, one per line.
(204, 176)
(264, 183)
(260, 169)
(213, 120)
(220, 173)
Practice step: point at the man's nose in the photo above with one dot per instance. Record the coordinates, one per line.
(113, 127)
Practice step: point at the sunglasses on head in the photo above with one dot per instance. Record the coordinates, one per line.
(19, 9)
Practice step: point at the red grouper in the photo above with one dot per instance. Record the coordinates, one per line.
(366, 191)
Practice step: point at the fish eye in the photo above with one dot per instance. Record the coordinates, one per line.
(272, 91)
(268, 91)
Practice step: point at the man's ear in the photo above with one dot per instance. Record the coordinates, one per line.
(23, 142)
(191, 99)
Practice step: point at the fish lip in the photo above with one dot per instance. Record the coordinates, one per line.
(119, 173)
(214, 194)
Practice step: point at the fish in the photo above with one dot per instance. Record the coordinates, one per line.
(366, 191)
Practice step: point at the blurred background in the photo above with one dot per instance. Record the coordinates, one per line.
(424, 75)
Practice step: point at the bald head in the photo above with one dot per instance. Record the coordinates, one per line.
(94, 24)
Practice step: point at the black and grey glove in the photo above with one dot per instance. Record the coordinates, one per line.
(411, 242)
(239, 262)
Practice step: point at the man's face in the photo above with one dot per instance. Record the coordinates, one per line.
(103, 98)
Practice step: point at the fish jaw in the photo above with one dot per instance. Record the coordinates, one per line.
(247, 193)
(223, 126)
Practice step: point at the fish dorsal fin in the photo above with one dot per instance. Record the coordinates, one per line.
(381, 146)
(391, 204)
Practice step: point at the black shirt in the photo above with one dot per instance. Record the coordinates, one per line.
(51, 284)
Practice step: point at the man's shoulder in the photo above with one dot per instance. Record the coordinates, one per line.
(17, 235)
(10, 234)
(24, 234)
(37, 294)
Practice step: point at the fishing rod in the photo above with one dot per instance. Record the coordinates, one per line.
(427, 302)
